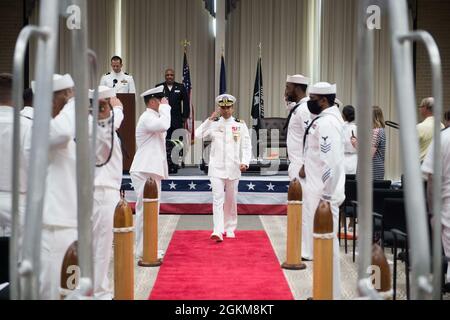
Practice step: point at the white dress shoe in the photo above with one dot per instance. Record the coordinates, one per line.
(217, 237)
(231, 235)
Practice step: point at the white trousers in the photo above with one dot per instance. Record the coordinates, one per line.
(310, 204)
(224, 204)
(5, 213)
(139, 179)
(55, 242)
(105, 203)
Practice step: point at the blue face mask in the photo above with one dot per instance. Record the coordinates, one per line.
(314, 107)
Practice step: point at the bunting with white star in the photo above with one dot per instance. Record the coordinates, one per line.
(193, 195)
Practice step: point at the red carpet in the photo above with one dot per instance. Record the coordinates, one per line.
(196, 268)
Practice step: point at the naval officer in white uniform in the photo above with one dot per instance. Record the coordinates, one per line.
(324, 163)
(150, 160)
(121, 81)
(108, 180)
(59, 226)
(230, 155)
(297, 123)
(6, 151)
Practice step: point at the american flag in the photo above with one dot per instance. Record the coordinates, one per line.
(190, 123)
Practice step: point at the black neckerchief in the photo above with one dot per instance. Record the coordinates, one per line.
(307, 132)
(290, 115)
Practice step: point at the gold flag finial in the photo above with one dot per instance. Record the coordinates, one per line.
(185, 43)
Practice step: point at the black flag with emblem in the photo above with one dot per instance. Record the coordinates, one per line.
(258, 98)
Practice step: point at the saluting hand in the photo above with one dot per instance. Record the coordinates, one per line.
(164, 101)
(115, 102)
(214, 115)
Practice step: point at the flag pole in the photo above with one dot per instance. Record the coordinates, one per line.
(260, 79)
(186, 43)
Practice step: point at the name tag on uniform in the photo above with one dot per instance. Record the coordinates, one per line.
(177, 91)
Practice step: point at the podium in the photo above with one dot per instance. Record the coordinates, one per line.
(127, 130)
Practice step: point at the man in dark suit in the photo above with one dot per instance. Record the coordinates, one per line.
(178, 100)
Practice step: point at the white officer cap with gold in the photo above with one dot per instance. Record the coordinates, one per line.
(157, 92)
(298, 79)
(103, 92)
(323, 89)
(60, 82)
(225, 100)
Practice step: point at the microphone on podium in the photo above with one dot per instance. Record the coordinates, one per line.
(115, 82)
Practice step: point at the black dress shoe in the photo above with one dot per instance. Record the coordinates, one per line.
(307, 260)
(446, 288)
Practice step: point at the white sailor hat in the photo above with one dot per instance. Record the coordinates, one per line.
(62, 82)
(225, 100)
(323, 89)
(298, 79)
(103, 93)
(157, 92)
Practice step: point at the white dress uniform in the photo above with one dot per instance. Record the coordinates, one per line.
(324, 169)
(351, 154)
(28, 112)
(299, 122)
(122, 82)
(60, 202)
(230, 147)
(300, 118)
(6, 166)
(427, 168)
(150, 160)
(107, 185)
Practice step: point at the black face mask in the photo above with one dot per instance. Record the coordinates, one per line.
(314, 107)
